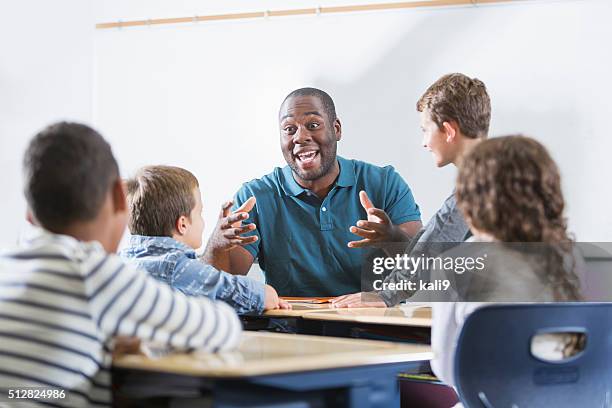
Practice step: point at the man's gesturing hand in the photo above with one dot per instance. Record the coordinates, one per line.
(229, 229)
(377, 229)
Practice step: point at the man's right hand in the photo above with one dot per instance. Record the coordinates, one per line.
(229, 229)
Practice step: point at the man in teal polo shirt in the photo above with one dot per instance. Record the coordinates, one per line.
(305, 210)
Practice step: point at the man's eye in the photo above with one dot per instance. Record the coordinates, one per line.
(289, 129)
(313, 125)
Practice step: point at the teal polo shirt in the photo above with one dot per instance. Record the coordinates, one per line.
(302, 246)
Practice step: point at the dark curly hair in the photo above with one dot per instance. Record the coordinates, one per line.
(68, 170)
(510, 187)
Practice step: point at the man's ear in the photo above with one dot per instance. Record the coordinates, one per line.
(451, 129)
(338, 129)
(181, 225)
(118, 193)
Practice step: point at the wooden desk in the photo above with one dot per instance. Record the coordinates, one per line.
(390, 324)
(300, 309)
(269, 368)
(397, 316)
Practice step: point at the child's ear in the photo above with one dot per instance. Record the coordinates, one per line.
(450, 130)
(118, 193)
(181, 225)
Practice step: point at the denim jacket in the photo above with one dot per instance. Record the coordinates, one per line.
(176, 264)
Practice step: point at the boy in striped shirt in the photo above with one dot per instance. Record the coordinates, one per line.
(64, 295)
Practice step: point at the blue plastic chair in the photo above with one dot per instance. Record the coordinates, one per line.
(494, 367)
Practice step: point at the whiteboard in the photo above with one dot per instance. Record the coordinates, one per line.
(206, 96)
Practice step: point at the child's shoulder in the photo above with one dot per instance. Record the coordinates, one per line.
(43, 250)
(139, 246)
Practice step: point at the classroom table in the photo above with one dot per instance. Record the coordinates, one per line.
(299, 309)
(282, 320)
(271, 368)
(401, 323)
(416, 316)
(407, 323)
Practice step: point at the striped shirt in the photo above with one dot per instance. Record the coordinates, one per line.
(61, 303)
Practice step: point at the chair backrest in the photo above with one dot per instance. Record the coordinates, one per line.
(494, 366)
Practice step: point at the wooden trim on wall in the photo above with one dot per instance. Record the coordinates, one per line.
(300, 12)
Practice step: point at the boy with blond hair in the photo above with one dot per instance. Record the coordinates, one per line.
(166, 224)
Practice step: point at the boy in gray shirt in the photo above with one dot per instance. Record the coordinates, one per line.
(455, 112)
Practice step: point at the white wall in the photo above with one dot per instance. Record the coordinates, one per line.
(46, 74)
(205, 96)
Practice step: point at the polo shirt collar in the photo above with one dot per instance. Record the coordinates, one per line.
(290, 186)
(346, 178)
(347, 175)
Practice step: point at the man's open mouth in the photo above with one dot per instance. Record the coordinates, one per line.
(306, 157)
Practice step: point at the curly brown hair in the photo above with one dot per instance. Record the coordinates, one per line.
(510, 187)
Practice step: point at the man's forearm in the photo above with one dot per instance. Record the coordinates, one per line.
(236, 261)
(219, 259)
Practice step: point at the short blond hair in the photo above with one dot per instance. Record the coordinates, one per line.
(157, 197)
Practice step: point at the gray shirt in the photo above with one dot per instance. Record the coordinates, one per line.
(446, 226)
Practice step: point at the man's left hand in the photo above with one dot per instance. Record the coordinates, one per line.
(377, 229)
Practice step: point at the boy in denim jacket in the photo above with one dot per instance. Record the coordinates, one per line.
(166, 225)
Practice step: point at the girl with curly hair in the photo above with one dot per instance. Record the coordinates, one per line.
(509, 191)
